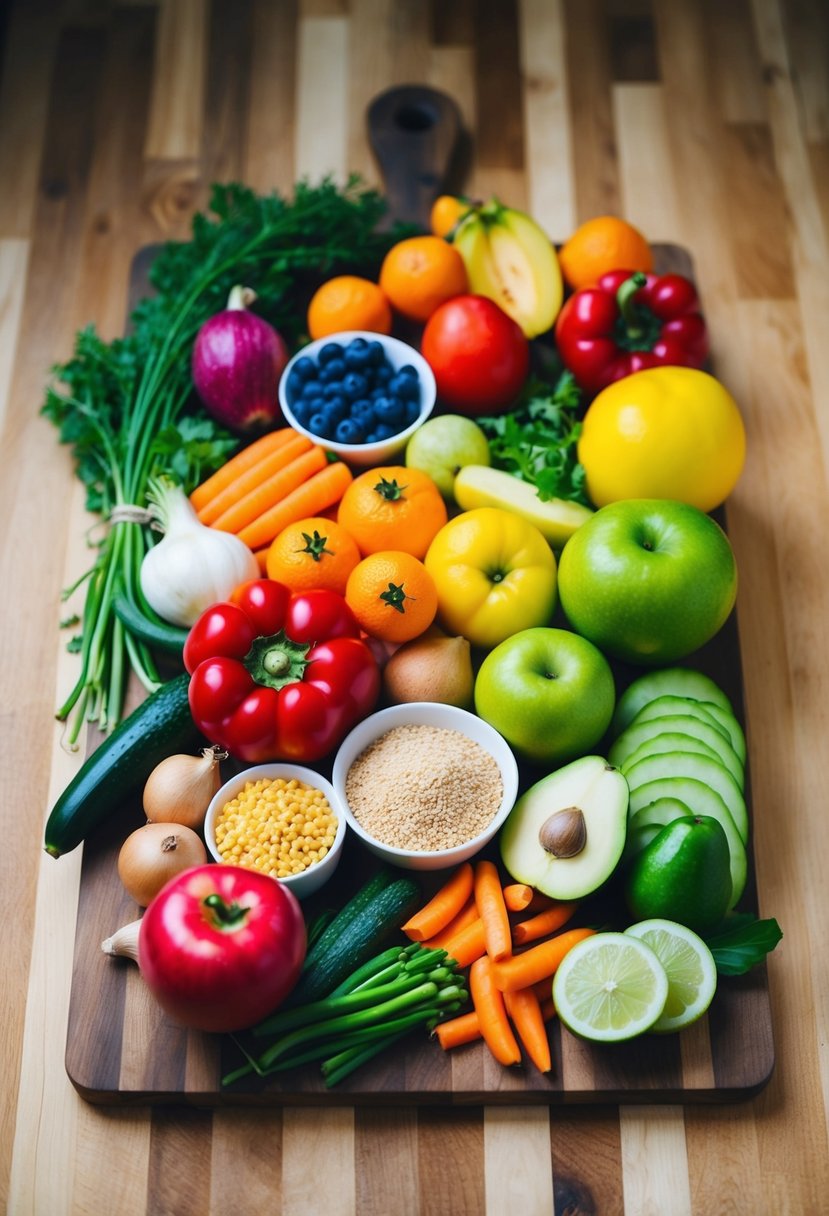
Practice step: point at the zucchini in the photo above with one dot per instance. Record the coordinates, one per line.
(161, 726)
(156, 634)
(363, 937)
(377, 883)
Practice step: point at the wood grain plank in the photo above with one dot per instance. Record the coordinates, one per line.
(239, 1137)
(500, 137)
(175, 127)
(654, 1163)
(643, 136)
(321, 116)
(269, 148)
(586, 1161)
(14, 260)
(548, 149)
(735, 70)
(451, 1162)
(806, 30)
(178, 1178)
(387, 1181)
(516, 1155)
(594, 143)
(309, 1139)
(229, 53)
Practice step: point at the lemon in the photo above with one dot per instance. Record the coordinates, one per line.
(666, 432)
(689, 965)
(610, 987)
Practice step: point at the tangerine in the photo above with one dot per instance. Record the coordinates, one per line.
(420, 273)
(313, 552)
(393, 508)
(392, 595)
(601, 244)
(445, 214)
(348, 302)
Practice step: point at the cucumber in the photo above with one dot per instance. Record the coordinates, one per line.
(667, 681)
(156, 634)
(675, 741)
(161, 726)
(363, 936)
(701, 768)
(726, 723)
(377, 883)
(703, 729)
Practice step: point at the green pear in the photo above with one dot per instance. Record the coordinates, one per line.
(684, 875)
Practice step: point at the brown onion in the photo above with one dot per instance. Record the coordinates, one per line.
(180, 788)
(155, 853)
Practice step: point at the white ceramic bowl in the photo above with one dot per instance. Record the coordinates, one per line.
(427, 713)
(367, 455)
(316, 875)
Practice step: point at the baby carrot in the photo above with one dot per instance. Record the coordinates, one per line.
(467, 945)
(316, 494)
(518, 896)
(538, 962)
(492, 910)
(271, 492)
(239, 463)
(251, 479)
(454, 1032)
(466, 916)
(492, 1014)
(524, 1011)
(443, 907)
(542, 924)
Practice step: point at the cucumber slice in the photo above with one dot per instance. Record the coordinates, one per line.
(722, 719)
(701, 768)
(702, 728)
(700, 799)
(667, 681)
(676, 741)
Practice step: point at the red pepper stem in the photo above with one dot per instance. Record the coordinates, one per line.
(227, 915)
(627, 308)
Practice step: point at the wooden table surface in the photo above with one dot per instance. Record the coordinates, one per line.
(707, 124)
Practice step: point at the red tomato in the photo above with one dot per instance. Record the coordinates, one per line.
(220, 946)
(479, 355)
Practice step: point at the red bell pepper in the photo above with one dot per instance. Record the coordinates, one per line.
(279, 676)
(628, 322)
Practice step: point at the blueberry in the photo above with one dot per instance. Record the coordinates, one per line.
(384, 431)
(363, 412)
(349, 431)
(293, 384)
(407, 370)
(390, 410)
(407, 387)
(319, 424)
(332, 390)
(305, 407)
(412, 412)
(357, 354)
(336, 408)
(331, 350)
(383, 374)
(311, 388)
(334, 369)
(304, 367)
(376, 353)
(354, 386)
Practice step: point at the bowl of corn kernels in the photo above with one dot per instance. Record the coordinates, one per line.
(280, 819)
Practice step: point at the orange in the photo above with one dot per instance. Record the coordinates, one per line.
(314, 552)
(445, 213)
(348, 302)
(601, 244)
(392, 508)
(420, 273)
(392, 595)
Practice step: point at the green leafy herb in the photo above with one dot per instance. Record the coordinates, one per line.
(127, 408)
(743, 942)
(537, 441)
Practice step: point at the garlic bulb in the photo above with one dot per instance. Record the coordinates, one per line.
(192, 566)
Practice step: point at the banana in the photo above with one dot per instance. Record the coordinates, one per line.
(478, 485)
(510, 259)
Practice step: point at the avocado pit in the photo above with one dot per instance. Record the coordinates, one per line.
(564, 833)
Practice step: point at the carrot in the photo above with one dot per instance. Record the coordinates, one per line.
(465, 917)
(538, 962)
(543, 924)
(518, 896)
(261, 556)
(492, 1014)
(239, 463)
(443, 907)
(467, 945)
(272, 492)
(251, 479)
(454, 1032)
(493, 911)
(524, 1010)
(320, 491)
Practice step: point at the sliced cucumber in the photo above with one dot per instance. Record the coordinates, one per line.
(676, 742)
(691, 726)
(700, 799)
(701, 768)
(721, 718)
(667, 681)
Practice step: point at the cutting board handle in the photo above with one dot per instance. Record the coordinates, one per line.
(414, 132)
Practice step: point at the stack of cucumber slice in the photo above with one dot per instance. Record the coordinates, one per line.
(679, 745)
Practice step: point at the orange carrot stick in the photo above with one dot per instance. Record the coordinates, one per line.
(320, 491)
(524, 1010)
(538, 962)
(443, 907)
(517, 896)
(272, 492)
(454, 1032)
(239, 463)
(493, 911)
(492, 1013)
(542, 924)
(467, 945)
(467, 914)
(251, 479)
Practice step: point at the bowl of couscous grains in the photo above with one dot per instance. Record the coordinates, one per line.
(280, 819)
(424, 785)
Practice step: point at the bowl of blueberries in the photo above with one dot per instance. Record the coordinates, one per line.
(357, 394)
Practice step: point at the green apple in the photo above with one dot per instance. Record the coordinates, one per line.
(444, 445)
(648, 580)
(549, 692)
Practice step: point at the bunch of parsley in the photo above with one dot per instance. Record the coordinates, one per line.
(127, 408)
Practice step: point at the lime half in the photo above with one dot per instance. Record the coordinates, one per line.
(610, 987)
(690, 967)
